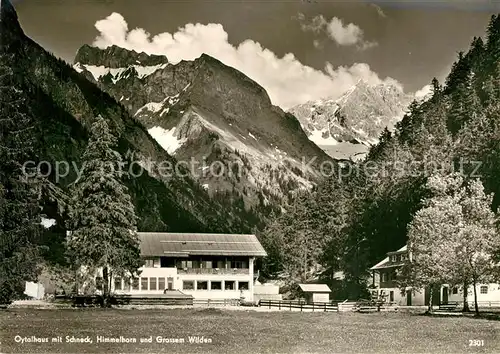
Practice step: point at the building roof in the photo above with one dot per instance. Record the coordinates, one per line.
(315, 288)
(385, 263)
(186, 244)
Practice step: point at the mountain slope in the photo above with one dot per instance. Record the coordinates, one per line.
(64, 103)
(353, 121)
(212, 114)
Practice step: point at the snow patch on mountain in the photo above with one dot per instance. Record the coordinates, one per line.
(165, 111)
(322, 137)
(151, 107)
(118, 73)
(167, 139)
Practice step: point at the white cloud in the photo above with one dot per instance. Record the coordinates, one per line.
(287, 81)
(424, 92)
(379, 10)
(343, 34)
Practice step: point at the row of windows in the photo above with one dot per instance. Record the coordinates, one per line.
(206, 264)
(154, 283)
(211, 264)
(214, 285)
(482, 290)
(128, 284)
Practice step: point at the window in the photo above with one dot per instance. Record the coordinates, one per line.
(118, 283)
(126, 284)
(161, 284)
(383, 277)
(186, 264)
(221, 264)
(149, 263)
(152, 283)
(144, 283)
(455, 290)
(98, 283)
(207, 264)
(484, 289)
(394, 258)
(243, 285)
(215, 285)
(135, 284)
(187, 284)
(238, 264)
(229, 285)
(391, 296)
(201, 285)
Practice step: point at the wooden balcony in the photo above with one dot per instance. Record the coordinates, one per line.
(226, 271)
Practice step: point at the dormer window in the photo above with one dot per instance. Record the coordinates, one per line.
(394, 258)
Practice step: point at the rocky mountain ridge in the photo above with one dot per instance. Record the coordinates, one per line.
(205, 111)
(354, 120)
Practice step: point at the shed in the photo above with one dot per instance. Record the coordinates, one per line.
(315, 292)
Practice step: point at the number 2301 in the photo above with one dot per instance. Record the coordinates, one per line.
(476, 343)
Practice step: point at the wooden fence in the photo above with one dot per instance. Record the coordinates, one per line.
(333, 306)
(481, 304)
(299, 305)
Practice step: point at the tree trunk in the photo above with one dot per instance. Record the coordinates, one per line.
(431, 296)
(105, 287)
(76, 285)
(466, 293)
(476, 307)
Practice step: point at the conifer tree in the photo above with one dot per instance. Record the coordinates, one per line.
(103, 221)
(493, 38)
(19, 188)
(436, 87)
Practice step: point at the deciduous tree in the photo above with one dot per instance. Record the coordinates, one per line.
(453, 237)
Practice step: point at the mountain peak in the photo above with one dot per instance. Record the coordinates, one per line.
(233, 75)
(359, 115)
(116, 57)
(6, 8)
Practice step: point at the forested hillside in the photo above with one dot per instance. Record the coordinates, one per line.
(353, 219)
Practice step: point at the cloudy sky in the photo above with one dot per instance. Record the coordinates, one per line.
(298, 50)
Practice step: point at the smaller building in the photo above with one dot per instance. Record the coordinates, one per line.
(315, 292)
(385, 287)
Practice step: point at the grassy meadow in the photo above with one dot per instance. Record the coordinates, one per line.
(226, 331)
